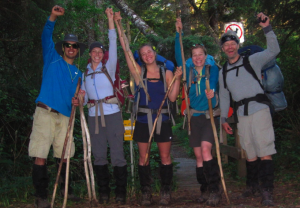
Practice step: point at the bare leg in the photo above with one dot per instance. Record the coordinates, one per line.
(164, 152)
(142, 151)
(40, 161)
(206, 150)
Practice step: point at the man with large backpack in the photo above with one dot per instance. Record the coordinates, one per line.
(251, 108)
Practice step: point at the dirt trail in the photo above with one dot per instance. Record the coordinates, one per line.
(286, 194)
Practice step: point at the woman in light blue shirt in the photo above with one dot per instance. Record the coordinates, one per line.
(105, 119)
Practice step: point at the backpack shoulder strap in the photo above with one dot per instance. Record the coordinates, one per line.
(224, 74)
(104, 70)
(163, 69)
(249, 69)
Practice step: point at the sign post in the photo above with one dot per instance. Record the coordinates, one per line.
(128, 137)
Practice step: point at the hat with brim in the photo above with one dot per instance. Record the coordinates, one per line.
(71, 38)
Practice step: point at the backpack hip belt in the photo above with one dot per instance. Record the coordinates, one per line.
(260, 98)
(149, 118)
(108, 100)
(216, 113)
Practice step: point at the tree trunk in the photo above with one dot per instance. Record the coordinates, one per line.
(204, 21)
(137, 20)
(213, 15)
(185, 17)
(99, 4)
(90, 31)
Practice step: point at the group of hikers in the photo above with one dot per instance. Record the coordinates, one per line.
(54, 104)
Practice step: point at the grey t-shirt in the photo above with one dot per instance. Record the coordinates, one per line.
(244, 85)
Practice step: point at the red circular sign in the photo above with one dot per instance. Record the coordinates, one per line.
(229, 27)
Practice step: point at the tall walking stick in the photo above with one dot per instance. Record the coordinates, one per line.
(207, 75)
(155, 121)
(185, 85)
(69, 146)
(131, 58)
(87, 155)
(65, 143)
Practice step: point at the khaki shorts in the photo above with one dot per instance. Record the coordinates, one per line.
(257, 134)
(48, 129)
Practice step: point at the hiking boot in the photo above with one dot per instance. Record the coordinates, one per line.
(204, 185)
(146, 196)
(204, 194)
(267, 198)
(120, 174)
(41, 203)
(102, 175)
(266, 177)
(212, 174)
(145, 181)
(40, 183)
(166, 175)
(62, 182)
(252, 184)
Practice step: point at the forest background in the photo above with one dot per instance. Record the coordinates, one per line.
(21, 64)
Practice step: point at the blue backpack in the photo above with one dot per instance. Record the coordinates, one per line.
(159, 58)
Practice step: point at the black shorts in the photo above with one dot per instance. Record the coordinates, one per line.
(201, 130)
(141, 132)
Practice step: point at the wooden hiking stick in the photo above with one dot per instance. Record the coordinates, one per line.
(68, 163)
(207, 75)
(185, 85)
(65, 143)
(155, 121)
(87, 154)
(129, 52)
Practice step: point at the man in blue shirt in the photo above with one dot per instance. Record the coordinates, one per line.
(54, 104)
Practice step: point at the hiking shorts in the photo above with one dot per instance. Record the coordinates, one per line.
(201, 130)
(141, 132)
(48, 129)
(257, 134)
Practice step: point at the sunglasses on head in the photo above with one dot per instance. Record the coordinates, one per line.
(197, 44)
(228, 38)
(69, 45)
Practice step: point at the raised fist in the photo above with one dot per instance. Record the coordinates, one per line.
(58, 11)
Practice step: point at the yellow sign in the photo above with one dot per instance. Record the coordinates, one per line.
(127, 125)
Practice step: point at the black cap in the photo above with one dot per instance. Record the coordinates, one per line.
(96, 45)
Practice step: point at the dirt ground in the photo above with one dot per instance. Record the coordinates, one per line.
(286, 194)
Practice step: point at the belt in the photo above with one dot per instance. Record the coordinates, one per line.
(42, 105)
(149, 118)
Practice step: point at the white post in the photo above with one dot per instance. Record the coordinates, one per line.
(132, 165)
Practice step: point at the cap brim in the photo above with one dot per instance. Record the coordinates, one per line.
(58, 48)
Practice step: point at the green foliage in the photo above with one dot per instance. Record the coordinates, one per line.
(21, 74)
(181, 136)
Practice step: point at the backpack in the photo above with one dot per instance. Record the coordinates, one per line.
(162, 61)
(209, 60)
(169, 64)
(117, 83)
(272, 78)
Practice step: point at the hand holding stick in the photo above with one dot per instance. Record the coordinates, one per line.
(132, 58)
(207, 67)
(65, 143)
(155, 121)
(185, 85)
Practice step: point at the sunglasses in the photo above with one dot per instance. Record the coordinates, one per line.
(228, 38)
(69, 45)
(197, 44)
